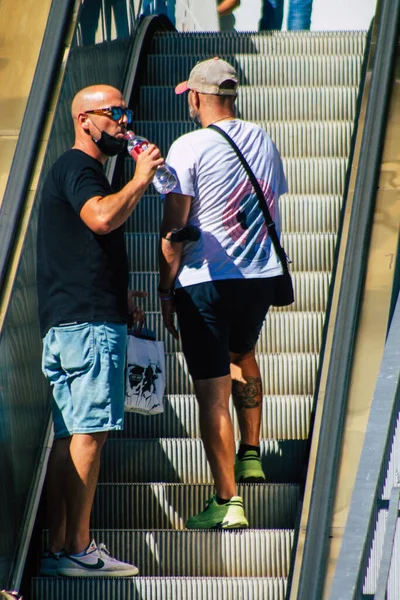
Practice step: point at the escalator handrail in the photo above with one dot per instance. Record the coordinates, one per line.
(26, 151)
(313, 566)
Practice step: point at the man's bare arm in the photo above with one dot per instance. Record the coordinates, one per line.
(176, 212)
(104, 214)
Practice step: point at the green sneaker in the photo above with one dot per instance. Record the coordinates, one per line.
(220, 516)
(248, 468)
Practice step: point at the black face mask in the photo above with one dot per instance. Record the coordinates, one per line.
(109, 145)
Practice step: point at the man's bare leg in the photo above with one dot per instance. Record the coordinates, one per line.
(83, 473)
(247, 396)
(217, 432)
(55, 493)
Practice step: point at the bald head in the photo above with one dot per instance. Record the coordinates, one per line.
(93, 97)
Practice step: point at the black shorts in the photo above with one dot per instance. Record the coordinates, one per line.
(218, 317)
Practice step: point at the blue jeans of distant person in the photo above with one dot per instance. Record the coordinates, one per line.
(299, 16)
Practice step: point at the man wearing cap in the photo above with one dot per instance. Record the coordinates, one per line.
(221, 285)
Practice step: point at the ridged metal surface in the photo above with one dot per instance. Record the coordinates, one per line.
(301, 214)
(393, 470)
(157, 588)
(184, 461)
(259, 104)
(294, 138)
(271, 42)
(168, 506)
(307, 251)
(240, 553)
(371, 579)
(311, 290)
(268, 70)
(282, 374)
(307, 175)
(282, 332)
(283, 418)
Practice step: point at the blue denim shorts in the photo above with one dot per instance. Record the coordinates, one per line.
(84, 363)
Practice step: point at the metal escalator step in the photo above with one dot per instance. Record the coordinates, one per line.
(158, 588)
(306, 214)
(184, 461)
(281, 374)
(301, 214)
(282, 332)
(168, 506)
(311, 290)
(315, 175)
(272, 70)
(259, 104)
(307, 251)
(271, 42)
(240, 553)
(294, 139)
(283, 418)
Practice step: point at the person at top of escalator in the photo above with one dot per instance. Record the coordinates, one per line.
(299, 15)
(84, 305)
(222, 281)
(225, 9)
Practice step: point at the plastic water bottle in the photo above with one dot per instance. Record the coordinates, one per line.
(164, 181)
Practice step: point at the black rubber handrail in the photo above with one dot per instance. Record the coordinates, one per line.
(313, 567)
(50, 56)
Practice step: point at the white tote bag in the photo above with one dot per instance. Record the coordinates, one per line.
(145, 375)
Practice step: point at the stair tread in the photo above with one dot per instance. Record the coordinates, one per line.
(183, 460)
(172, 552)
(168, 506)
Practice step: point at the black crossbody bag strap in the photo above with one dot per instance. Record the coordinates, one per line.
(260, 197)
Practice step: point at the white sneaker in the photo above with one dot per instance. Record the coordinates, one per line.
(96, 562)
(49, 563)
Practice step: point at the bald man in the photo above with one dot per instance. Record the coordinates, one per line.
(82, 281)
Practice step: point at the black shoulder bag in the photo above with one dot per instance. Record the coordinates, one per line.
(284, 290)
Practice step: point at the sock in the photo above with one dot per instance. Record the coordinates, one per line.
(221, 500)
(245, 447)
(80, 553)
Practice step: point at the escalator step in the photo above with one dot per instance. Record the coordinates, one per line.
(311, 290)
(168, 506)
(307, 251)
(184, 461)
(294, 139)
(157, 588)
(301, 214)
(282, 332)
(282, 374)
(293, 70)
(303, 175)
(207, 553)
(283, 418)
(271, 42)
(259, 104)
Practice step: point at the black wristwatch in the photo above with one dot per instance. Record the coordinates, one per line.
(165, 291)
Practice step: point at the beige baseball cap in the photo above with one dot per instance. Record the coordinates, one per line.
(209, 76)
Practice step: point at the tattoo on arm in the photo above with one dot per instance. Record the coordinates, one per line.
(247, 395)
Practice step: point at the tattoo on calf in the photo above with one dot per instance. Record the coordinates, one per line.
(247, 395)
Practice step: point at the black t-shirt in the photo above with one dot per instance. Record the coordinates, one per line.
(81, 276)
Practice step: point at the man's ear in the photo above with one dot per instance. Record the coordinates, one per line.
(83, 121)
(196, 99)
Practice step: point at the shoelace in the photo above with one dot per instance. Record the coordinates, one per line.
(102, 548)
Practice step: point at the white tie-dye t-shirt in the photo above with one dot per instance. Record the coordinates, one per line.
(234, 242)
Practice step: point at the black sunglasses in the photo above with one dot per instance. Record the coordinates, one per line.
(116, 113)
